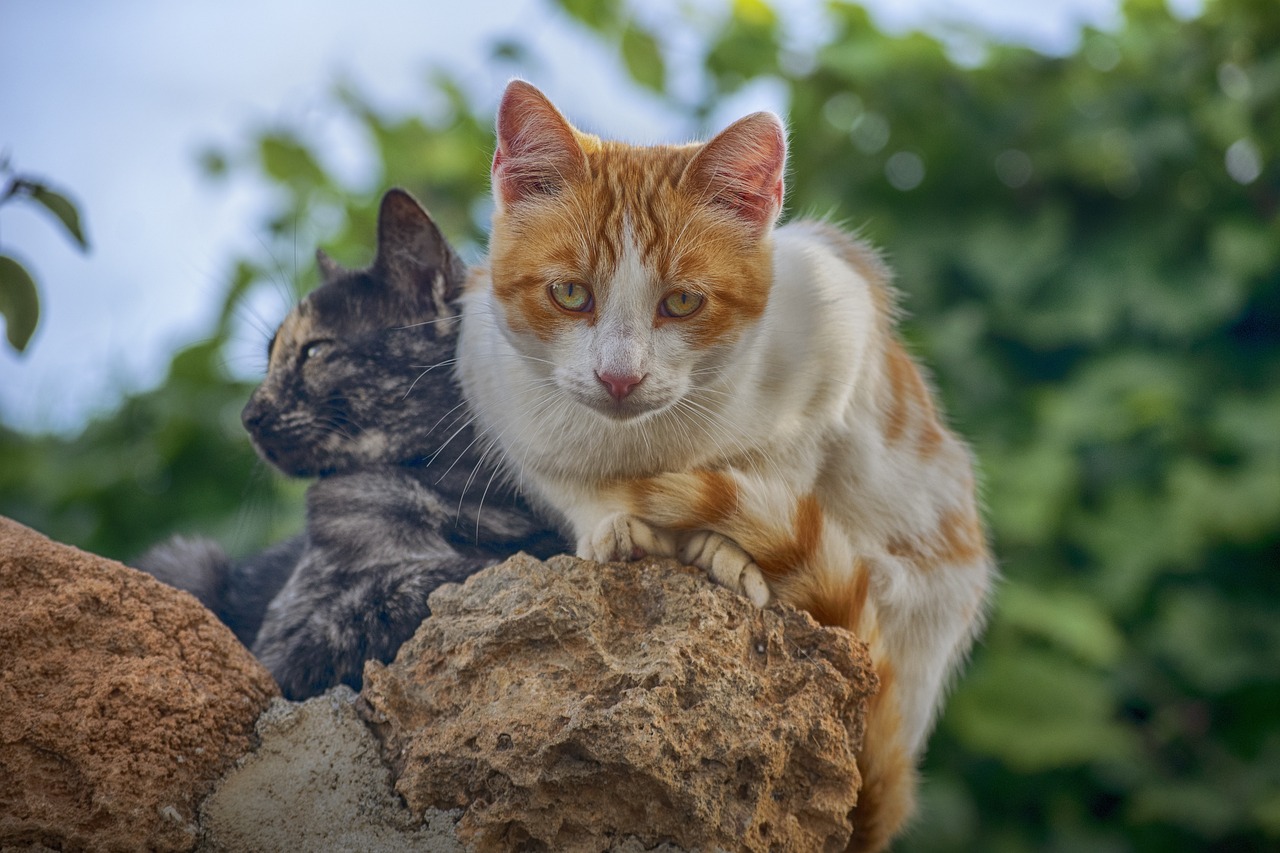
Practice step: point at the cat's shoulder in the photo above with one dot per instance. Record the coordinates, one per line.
(842, 255)
(851, 249)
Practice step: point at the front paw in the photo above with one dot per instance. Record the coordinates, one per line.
(623, 538)
(728, 565)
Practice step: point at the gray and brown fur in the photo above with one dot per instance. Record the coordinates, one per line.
(360, 392)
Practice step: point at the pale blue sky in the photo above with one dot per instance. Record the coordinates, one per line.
(114, 100)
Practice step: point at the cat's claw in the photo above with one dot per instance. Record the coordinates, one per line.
(727, 564)
(625, 538)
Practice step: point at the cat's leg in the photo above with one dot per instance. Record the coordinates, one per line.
(747, 531)
(334, 614)
(604, 530)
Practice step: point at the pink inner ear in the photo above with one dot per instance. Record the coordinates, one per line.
(741, 169)
(537, 152)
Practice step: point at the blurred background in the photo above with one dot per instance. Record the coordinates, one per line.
(1080, 199)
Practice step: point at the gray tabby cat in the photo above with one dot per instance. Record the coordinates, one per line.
(360, 392)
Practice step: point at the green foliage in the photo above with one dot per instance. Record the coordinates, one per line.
(639, 48)
(19, 302)
(61, 207)
(19, 296)
(171, 459)
(643, 57)
(1089, 252)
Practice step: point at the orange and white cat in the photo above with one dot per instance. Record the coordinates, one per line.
(672, 374)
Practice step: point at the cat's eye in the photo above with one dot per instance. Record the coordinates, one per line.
(572, 296)
(679, 304)
(313, 349)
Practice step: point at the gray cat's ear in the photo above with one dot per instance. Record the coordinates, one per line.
(329, 268)
(538, 151)
(413, 256)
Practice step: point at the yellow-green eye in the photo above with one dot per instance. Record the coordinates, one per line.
(572, 297)
(679, 304)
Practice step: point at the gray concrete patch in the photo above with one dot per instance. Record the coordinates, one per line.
(316, 782)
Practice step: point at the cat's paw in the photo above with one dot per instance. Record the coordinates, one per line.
(728, 565)
(623, 538)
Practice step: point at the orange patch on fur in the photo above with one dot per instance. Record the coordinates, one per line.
(930, 439)
(959, 539)
(779, 559)
(898, 373)
(962, 537)
(906, 548)
(717, 498)
(640, 494)
(909, 399)
(841, 605)
(684, 501)
(887, 798)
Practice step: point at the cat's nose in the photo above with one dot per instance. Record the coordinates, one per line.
(253, 415)
(619, 385)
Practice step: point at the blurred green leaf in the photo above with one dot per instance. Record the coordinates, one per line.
(19, 303)
(289, 162)
(61, 207)
(643, 57)
(1072, 621)
(509, 50)
(213, 163)
(1035, 710)
(601, 15)
(748, 46)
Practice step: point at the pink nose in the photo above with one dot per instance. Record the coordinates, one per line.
(619, 386)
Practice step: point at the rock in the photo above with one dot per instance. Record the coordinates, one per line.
(123, 701)
(316, 782)
(566, 706)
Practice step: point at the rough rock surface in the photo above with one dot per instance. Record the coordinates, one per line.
(566, 705)
(316, 782)
(123, 700)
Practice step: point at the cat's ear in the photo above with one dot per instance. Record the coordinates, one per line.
(741, 169)
(413, 256)
(329, 268)
(537, 153)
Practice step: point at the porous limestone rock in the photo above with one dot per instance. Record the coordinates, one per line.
(567, 706)
(122, 701)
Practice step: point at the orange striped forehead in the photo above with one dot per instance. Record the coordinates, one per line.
(630, 202)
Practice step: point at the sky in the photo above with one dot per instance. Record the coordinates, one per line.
(114, 102)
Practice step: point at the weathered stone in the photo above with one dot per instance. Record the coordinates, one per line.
(566, 705)
(316, 782)
(123, 701)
